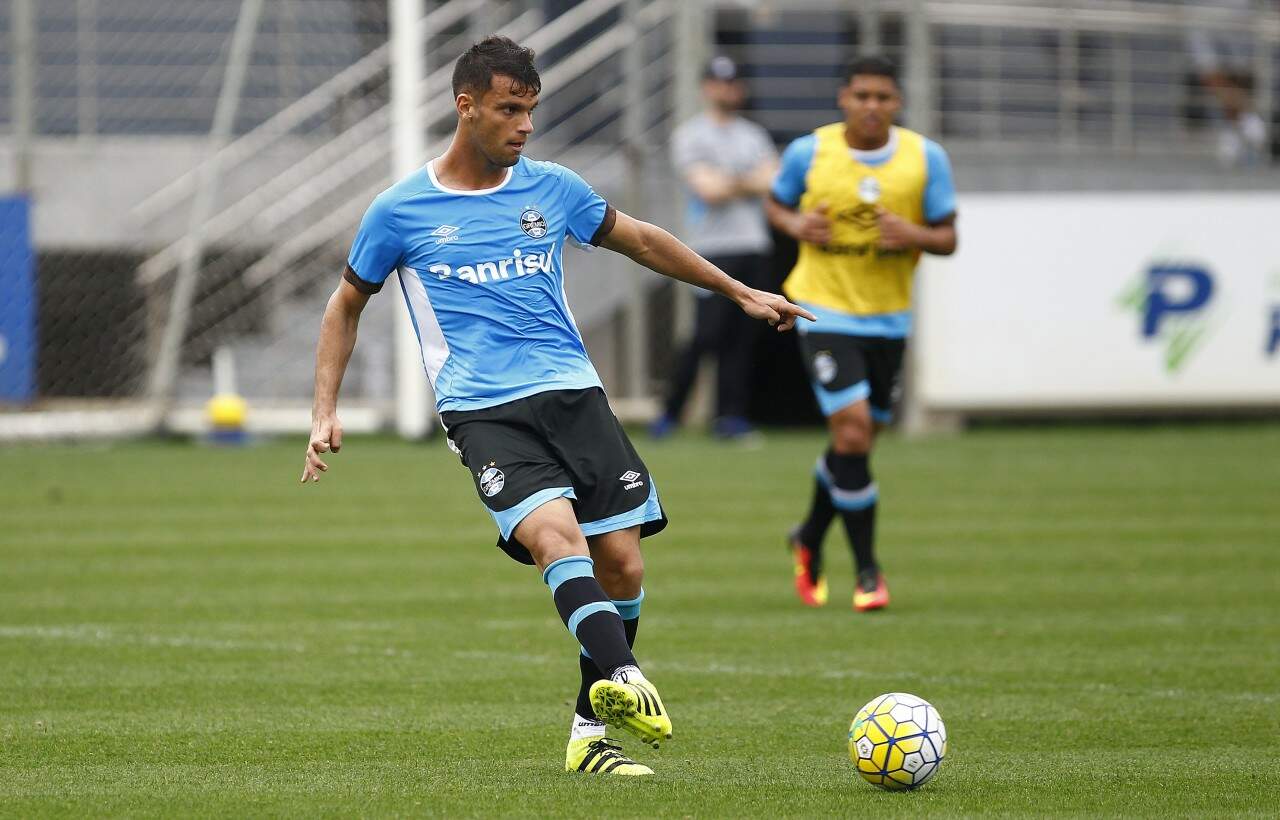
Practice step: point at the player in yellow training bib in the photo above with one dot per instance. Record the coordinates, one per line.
(864, 198)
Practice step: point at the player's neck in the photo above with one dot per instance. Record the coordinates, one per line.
(862, 143)
(466, 169)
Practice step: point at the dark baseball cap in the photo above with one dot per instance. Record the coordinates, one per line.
(722, 68)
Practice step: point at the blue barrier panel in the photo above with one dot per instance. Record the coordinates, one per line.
(17, 302)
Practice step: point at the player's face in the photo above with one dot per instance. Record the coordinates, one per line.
(501, 122)
(870, 103)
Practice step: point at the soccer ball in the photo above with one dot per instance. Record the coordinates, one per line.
(897, 741)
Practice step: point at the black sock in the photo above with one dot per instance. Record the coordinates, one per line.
(630, 612)
(814, 528)
(630, 626)
(590, 674)
(588, 612)
(860, 526)
(854, 494)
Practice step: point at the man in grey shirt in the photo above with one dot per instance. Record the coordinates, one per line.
(727, 164)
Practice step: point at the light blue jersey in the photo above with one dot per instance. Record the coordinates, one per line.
(482, 274)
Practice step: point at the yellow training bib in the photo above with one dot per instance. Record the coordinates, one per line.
(850, 274)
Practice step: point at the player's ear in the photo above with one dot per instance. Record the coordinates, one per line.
(842, 96)
(464, 104)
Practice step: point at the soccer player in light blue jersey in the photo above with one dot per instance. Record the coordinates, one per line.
(476, 237)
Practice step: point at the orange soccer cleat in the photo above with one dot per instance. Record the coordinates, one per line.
(812, 592)
(871, 592)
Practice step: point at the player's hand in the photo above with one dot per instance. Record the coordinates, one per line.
(774, 309)
(896, 233)
(813, 226)
(326, 436)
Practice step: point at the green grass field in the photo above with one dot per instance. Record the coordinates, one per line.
(1095, 612)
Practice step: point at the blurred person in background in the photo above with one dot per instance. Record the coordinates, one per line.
(1223, 63)
(727, 163)
(863, 198)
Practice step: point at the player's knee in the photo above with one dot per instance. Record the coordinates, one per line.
(852, 436)
(621, 576)
(549, 544)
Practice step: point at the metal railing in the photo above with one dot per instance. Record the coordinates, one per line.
(272, 233)
(326, 161)
(111, 67)
(995, 77)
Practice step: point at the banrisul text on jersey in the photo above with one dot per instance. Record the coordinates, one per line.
(517, 264)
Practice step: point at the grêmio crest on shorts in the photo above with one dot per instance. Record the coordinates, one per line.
(482, 274)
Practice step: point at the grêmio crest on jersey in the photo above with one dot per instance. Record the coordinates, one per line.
(533, 223)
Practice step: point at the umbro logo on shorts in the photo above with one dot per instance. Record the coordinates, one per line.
(631, 477)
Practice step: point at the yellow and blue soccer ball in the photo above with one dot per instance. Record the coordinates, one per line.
(897, 741)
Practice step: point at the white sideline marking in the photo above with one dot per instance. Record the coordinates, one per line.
(87, 633)
(714, 668)
(508, 657)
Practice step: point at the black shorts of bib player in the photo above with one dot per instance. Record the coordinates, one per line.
(836, 363)
(558, 444)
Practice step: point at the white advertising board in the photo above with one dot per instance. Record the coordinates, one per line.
(1078, 301)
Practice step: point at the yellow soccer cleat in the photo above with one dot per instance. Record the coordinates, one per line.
(634, 706)
(600, 755)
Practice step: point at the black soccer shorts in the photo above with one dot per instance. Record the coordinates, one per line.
(557, 444)
(847, 369)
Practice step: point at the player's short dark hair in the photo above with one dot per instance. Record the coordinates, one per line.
(475, 69)
(873, 64)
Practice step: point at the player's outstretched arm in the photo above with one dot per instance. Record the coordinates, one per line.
(659, 251)
(333, 351)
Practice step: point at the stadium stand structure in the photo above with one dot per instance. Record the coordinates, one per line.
(1093, 95)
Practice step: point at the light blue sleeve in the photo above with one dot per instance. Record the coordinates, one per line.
(788, 186)
(584, 209)
(378, 248)
(939, 189)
